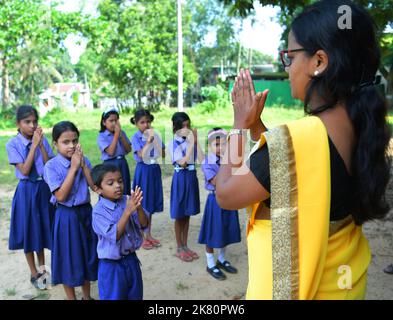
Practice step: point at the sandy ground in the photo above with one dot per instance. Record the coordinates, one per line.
(166, 277)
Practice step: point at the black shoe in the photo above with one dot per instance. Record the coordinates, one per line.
(216, 273)
(389, 269)
(226, 266)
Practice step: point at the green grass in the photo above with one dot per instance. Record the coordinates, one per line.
(42, 296)
(180, 286)
(10, 292)
(88, 124)
(5, 204)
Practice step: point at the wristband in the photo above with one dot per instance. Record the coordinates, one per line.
(235, 131)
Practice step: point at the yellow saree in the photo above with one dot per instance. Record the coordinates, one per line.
(299, 253)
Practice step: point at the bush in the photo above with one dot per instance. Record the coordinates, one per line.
(215, 97)
(8, 119)
(206, 107)
(52, 117)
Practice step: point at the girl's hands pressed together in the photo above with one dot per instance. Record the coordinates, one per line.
(37, 137)
(150, 135)
(81, 155)
(247, 105)
(117, 127)
(76, 159)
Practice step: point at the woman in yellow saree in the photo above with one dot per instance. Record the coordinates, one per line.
(310, 184)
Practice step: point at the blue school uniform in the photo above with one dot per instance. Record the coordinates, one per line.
(31, 213)
(119, 272)
(74, 255)
(104, 140)
(148, 174)
(219, 227)
(185, 188)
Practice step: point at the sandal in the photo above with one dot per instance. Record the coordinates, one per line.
(147, 245)
(155, 242)
(182, 255)
(193, 254)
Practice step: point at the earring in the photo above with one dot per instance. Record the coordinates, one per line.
(316, 73)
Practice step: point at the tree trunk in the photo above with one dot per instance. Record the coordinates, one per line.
(239, 55)
(389, 79)
(384, 72)
(5, 85)
(388, 75)
(389, 87)
(249, 59)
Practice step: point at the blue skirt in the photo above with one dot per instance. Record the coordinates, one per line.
(74, 253)
(219, 227)
(120, 279)
(184, 194)
(122, 164)
(148, 178)
(31, 217)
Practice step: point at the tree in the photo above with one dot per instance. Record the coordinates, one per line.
(135, 46)
(18, 21)
(35, 68)
(380, 10)
(29, 30)
(209, 20)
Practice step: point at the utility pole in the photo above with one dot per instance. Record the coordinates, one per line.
(179, 57)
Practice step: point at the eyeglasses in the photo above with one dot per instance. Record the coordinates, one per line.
(287, 61)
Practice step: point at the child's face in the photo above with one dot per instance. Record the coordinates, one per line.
(110, 123)
(218, 146)
(28, 125)
(67, 143)
(186, 127)
(111, 186)
(144, 123)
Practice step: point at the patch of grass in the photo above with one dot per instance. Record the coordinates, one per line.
(5, 210)
(10, 292)
(42, 296)
(180, 286)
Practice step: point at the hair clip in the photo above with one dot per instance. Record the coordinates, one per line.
(217, 132)
(115, 109)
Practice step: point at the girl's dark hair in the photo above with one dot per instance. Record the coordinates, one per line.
(99, 171)
(62, 127)
(106, 115)
(354, 58)
(139, 114)
(177, 120)
(25, 111)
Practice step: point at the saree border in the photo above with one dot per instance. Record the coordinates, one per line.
(284, 214)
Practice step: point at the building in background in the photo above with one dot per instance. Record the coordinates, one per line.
(65, 95)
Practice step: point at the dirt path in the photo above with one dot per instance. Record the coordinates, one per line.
(166, 277)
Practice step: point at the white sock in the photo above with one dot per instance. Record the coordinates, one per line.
(210, 260)
(221, 255)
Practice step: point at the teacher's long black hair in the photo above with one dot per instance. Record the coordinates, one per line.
(354, 59)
